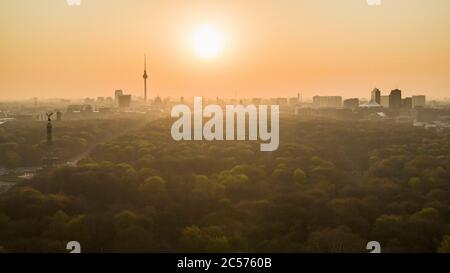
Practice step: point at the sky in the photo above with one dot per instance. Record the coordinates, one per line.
(268, 48)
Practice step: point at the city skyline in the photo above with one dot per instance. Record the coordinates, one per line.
(254, 49)
(215, 135)
(137, 96)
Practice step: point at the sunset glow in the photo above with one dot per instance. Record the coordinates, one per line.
(207, 42)
(257, 48)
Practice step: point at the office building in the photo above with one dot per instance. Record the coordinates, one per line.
(327, 101)
(117, 93)
(384, 101)
(376, 95)
(418, 101)
(407, 103)
(124, 101)
(351, 103)
(395, 99)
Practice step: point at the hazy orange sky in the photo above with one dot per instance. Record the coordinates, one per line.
(271, 48)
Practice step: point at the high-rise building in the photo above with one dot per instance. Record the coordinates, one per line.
(376, 96)
(407, 103)
(395, 99)
(384, 101)
(327, 101)
(124, 101)
(117, 93)
(418, 101)
(145, 76)
(351, 103)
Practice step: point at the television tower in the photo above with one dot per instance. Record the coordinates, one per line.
(145, 76)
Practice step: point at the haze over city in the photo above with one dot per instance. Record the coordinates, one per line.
(224, 48)
(209, 135)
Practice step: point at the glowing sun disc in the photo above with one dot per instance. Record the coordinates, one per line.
(207, 42)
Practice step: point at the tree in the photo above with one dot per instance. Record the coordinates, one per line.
(154, 185)
(192, 239)
(299, 176)
(335, 240)
(444, 247)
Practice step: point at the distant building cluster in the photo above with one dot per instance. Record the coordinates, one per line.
(384, 107)
(327, 101)
(393, 101)
(122, 100)
(392, 107)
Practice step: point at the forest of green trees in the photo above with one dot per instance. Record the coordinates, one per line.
(23, 143)
(332, 186)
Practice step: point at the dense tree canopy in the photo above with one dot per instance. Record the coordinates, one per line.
(332, 186)
(23, 143)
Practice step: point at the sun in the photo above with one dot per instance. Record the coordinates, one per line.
(207, 42)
